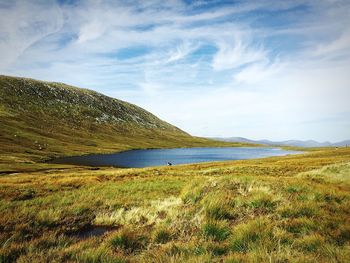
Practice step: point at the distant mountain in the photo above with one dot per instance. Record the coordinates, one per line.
(298, 143)
(342, 143)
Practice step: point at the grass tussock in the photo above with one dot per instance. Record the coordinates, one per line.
(248, 236)
(217, 231)
(128, 241)
(162, 236)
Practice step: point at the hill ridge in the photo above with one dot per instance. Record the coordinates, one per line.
(45, 119)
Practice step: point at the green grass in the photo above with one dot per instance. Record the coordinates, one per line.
(217, 231)
(162, 235)
(128, 241)
(280, 209)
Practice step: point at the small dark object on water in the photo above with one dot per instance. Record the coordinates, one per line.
(169, 163)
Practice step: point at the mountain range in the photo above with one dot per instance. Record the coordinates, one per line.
(297, 143)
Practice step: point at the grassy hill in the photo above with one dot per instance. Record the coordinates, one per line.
(43, 119)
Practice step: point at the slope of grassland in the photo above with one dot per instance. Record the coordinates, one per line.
(280, 209)
(41, 119)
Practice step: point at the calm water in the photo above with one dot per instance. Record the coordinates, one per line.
(157, 157)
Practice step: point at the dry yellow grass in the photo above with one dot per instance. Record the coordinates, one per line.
(280, 209)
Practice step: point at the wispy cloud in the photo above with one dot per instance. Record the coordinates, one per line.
(236, 55)
(23, 23)
(181, 51)
(258, 72)
(334, 47)
(251, 68)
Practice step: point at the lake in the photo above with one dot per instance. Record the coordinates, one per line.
(158, 157)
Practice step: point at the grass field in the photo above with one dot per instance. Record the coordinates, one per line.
(280, 209)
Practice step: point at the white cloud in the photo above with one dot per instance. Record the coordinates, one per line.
(181, 51)
(206, 73)
(90, 31)
(231, 56)
(300, 104)
(23, 24)
(151, 89)
(334, 47)
(258, 72)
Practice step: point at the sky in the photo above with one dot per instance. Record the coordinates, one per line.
(268, 69)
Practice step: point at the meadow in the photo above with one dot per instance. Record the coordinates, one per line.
(294, 208)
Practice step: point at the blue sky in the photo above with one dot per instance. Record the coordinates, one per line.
(259, 69)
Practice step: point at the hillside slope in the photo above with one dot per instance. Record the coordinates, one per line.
(43, 119)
